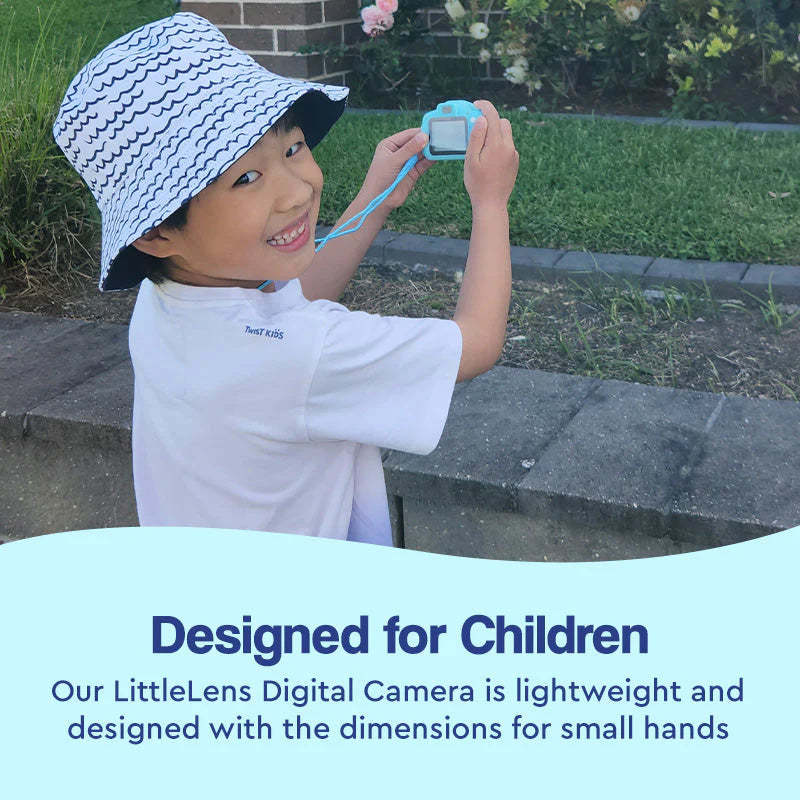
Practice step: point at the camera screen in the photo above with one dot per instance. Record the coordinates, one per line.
(448, 136)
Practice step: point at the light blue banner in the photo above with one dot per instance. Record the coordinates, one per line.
(703, 703)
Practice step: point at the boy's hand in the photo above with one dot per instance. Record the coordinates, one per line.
(390, 155)
(492, 161)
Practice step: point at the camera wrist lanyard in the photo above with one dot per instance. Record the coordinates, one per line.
(362, 215)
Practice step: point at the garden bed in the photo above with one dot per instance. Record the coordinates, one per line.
(689, 341)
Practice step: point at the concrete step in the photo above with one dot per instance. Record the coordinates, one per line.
(531, 465)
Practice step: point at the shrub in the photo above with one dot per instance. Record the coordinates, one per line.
(618, 44)
(47, 217)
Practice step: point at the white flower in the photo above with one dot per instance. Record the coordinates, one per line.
(499, 49)
(454, 9)
(515, 50)
(517, 72)
(479, 30)
(484, 56)
(632, 13)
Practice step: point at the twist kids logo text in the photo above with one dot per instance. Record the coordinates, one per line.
(270, 333)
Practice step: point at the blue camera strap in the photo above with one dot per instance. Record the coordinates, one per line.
(343, 229)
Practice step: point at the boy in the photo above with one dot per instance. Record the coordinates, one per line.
(258, 407)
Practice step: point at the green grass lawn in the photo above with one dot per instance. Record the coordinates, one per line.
(606, 186)
(97, 22)
(595, 185)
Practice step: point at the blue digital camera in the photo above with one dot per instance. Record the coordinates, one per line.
(448, 129)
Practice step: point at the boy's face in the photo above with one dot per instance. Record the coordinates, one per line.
(255, 222)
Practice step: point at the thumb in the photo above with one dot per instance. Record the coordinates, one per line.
(414, 145)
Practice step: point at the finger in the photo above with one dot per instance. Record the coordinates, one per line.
(490, 112)
(487, 109)
(421, 167)
(492, 119)
(506, 133)
(477, 139)
(400, 139)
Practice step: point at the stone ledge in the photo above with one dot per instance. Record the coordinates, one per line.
(531, 465)
(671, 470)
(41, 368)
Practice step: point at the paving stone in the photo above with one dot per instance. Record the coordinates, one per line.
(533, 263)
(619, 458)
(97, 412)
(784, 280)
(573, 116)
(747, 469)
(19, 331)
(767, 127)
(50, 367)
(377, 250)
(698, 123)
(637, 120)
(433, 251)
(717, 274)
(609, 263)
(496, 422)
(375, 254)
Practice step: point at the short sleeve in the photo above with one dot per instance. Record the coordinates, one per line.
(385, 381)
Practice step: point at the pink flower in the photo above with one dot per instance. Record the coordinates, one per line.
(389, 6)
(375, 20)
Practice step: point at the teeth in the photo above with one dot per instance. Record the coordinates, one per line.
(285, 238)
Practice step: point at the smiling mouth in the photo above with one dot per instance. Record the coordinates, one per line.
(285, 238)
(288, 235)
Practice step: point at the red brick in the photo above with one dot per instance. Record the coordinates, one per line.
(333, 64)
(341, 9)
(291, 40)
(353, 33)
(282, 13)
(292, 66)
(337, 80)
(218, 13)
(249, 39)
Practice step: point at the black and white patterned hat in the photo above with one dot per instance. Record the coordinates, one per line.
(159, 114)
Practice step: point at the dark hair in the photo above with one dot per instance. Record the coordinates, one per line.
(156, 268)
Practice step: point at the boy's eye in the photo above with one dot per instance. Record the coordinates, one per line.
(294, 148)
(248, 177)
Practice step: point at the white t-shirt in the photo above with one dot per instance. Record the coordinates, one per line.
(264, 411)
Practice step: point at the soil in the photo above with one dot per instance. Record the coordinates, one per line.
(597, 330)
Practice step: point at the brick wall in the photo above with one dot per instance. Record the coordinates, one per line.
(272, 31)
(452, 48)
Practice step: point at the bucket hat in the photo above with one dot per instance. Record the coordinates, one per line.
(159, 114)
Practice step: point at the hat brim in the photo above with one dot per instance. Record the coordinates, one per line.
(316, 113)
